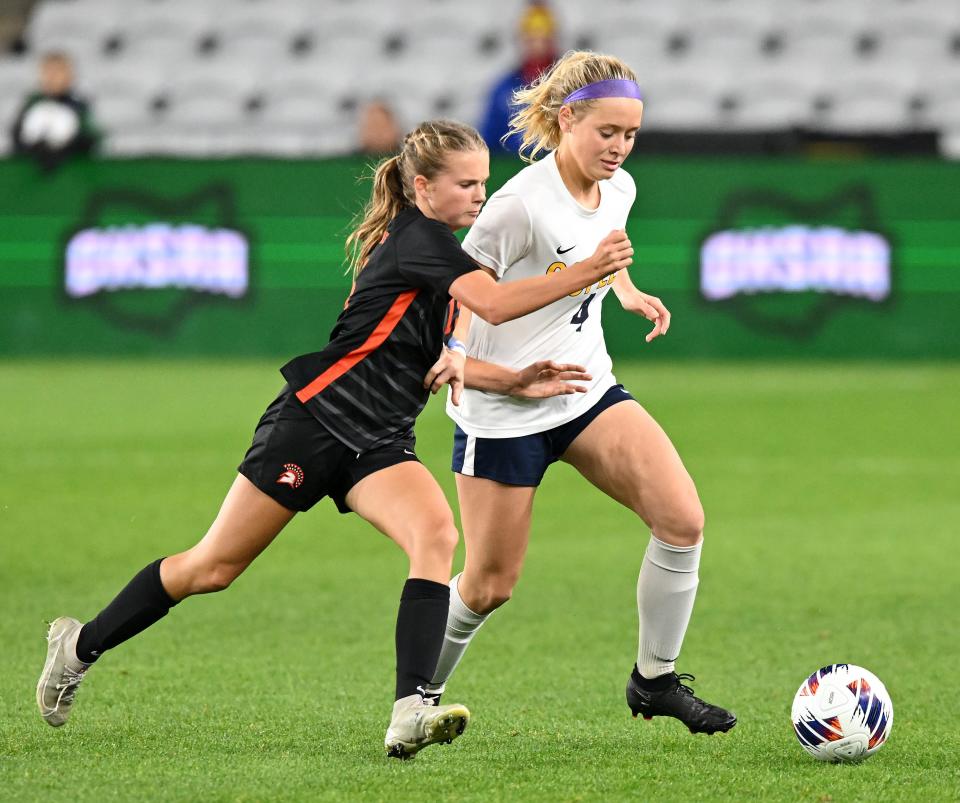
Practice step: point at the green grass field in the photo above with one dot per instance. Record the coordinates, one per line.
(832, 495)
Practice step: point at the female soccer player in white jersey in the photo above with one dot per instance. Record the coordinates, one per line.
(583, 115)
(343, 427)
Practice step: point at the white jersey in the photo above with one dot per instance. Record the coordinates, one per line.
(533, 226)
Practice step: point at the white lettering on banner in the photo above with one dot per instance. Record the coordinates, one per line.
(793, 259)
(157, 255)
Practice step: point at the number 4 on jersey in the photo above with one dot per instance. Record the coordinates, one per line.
(581, 315)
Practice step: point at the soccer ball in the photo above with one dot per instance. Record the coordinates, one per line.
(842, 713)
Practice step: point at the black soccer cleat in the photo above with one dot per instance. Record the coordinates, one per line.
(672, 698)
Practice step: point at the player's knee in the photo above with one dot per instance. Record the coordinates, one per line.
(493, 593)
(436, 535)
(215, 577)
(493, 599)
(683, 527)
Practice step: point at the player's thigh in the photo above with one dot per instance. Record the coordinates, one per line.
(496, 525)
(405, 502)
(625, 453)
(246, 524)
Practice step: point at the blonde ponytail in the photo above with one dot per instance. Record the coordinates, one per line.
(538, 105)
(423, 153)
(386, 201)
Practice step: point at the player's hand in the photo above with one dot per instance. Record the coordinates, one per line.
(613, 253)
(548, 378)
(448, 370)
(653, 309)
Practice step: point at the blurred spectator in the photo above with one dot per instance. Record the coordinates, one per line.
(54, 123)
(538, 48)
(379, 132)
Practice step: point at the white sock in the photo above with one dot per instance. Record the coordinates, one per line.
(462, 624)
(666, 589)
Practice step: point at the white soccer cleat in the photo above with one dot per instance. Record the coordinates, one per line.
(418, 722)
(62, 672)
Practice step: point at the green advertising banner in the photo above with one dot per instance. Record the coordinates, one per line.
(754, 258)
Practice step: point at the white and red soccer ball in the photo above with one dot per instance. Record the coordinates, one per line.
(842, 713)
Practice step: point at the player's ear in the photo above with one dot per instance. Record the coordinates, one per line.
(565, 119)
(420, 184)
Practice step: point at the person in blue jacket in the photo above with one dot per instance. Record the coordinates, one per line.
(538, 45)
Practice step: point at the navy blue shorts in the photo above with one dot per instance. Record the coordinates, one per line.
(524, 460)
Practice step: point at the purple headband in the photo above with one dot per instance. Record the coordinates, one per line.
(608, 88)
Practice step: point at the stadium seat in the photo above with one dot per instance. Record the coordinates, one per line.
(306, 106)
(868, 96)
(725, 39)
(348, 33)
(756, 14)
(849, 15)
(944, 110)
(682, 103)
(910, 41)
(9, 107)
(163, 33)
(18, 76)
(769, 100)
(644, 46)
(312, 141)
(941, 100)
(412, 98)
(454, 100)
(907, 13)
(817, 42)
(315, 72)
(77, 28)
(876, 107)
(454, 40)
(122, 104)
(206, 104)
(261, 30)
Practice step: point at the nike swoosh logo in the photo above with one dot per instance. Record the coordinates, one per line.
(564, 250)
(407, 451)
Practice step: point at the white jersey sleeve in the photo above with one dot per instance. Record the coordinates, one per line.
(503, 235)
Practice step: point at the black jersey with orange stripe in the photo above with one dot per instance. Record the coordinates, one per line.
(366, 385)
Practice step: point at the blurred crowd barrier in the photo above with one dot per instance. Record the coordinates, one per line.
(755, 257)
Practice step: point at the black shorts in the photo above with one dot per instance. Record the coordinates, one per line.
(295, 460)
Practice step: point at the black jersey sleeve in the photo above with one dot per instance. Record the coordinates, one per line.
(429, 256)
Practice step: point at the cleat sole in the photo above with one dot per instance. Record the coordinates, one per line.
(398, 752)
(718, 729)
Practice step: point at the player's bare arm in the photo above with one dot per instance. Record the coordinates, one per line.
(538, 380)
(634, 300)
(497, 302)
(448, 370)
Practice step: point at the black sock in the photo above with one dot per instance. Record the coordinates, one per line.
(421, 622)
(658, 683)
(142, 602)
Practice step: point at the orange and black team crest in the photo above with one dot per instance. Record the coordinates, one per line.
(292, 475)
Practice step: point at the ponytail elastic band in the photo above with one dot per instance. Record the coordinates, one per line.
(608, 88)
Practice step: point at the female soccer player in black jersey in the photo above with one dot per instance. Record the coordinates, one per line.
(342, 426)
